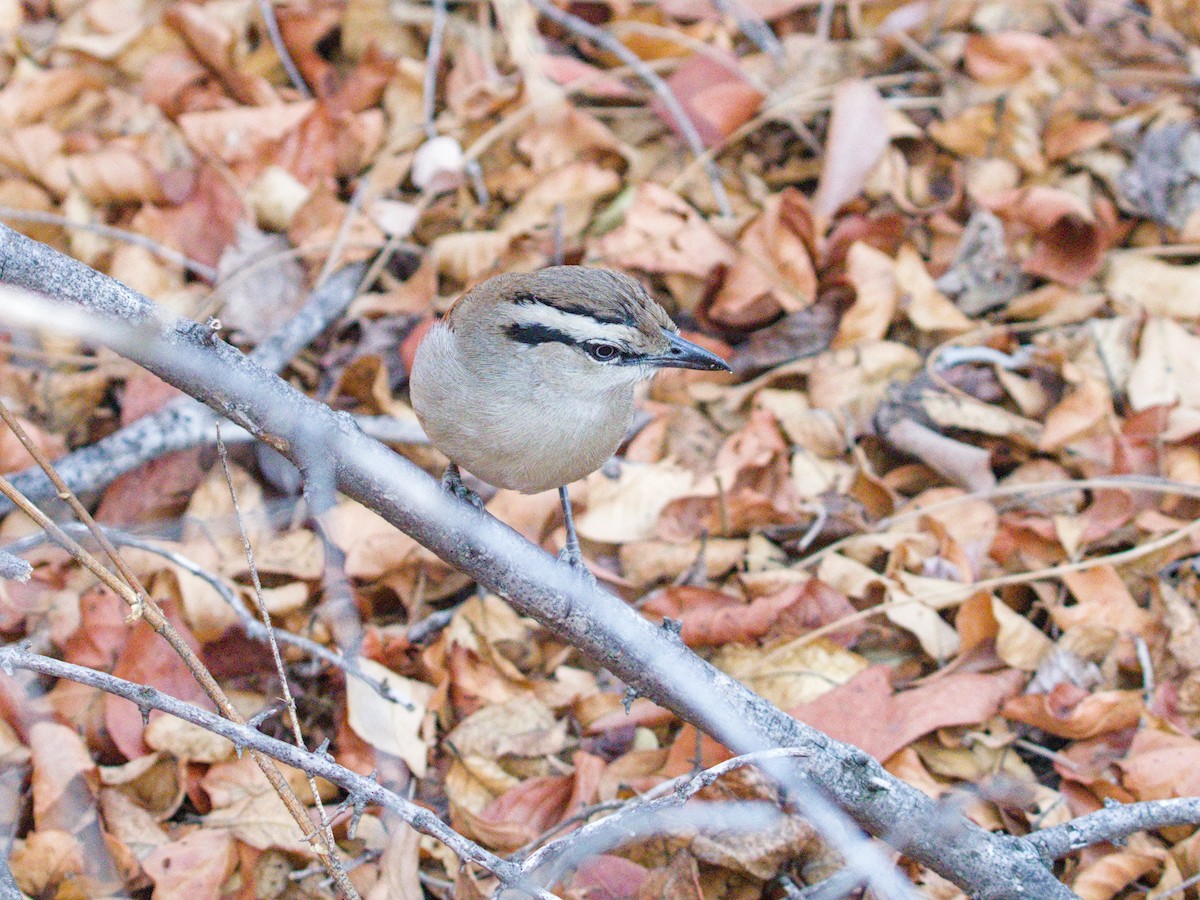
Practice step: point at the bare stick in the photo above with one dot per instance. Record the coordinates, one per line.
(289, 66)
(208, 273)
(602, 38)
(13, 568)
(753, 26)
(288, 700)
(320, 492)
(564, 851)
(363, 791)
(433, 62)
(1115, 821)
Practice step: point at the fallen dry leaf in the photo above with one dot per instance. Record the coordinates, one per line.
(867, 713)
(857, 138)
(1070, 712)
(395, 725)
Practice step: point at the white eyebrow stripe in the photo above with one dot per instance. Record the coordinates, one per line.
(578, 326)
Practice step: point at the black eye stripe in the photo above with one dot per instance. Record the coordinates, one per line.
(535, 333)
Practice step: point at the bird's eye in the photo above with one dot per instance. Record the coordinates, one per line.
(603, 352)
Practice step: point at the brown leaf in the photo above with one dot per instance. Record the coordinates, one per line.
(13, 455)
(867, 713)
(1071, 238)
(1071, 712)
(194, 866)
(1085, 408)
(872, 275)
(1007, 57)
(44, 860)
(791, 673)
(714, 94)
(1107, 876)
(858, 136)
(712, 618)
(393, 726)
(1160, 765)
(64, 778)
(607, 877)
(774, 270)
(148, 659)
(663, 234)
(519, 815)
(588, 79)
(102, 631)
(399, 865)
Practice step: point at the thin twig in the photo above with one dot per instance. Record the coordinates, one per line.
(1179, 888)
(338, 609)
(668, 795)
(824, 30)
(289, 66)
(433, 62)
(357, 201)
(364, 791)
(837, 886)
(1115, 821)
(753, 26)
(288, 700)
(682, 120)
(208, 273)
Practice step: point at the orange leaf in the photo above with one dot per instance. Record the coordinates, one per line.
(1070, 713)
(867, 713)
(716, 97)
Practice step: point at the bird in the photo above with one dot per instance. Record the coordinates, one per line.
(528, 380)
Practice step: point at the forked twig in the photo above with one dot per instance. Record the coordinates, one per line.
(142, 605)
(363, 791)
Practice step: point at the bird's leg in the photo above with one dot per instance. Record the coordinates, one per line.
(571, 554)
(452, 483)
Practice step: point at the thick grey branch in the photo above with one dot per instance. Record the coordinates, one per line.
(183, 423)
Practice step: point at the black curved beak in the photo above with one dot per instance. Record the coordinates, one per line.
(683, 354)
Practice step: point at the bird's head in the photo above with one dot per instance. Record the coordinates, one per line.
(601, 323)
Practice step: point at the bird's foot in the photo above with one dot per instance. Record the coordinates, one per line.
(452, 483)
(572, 556)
